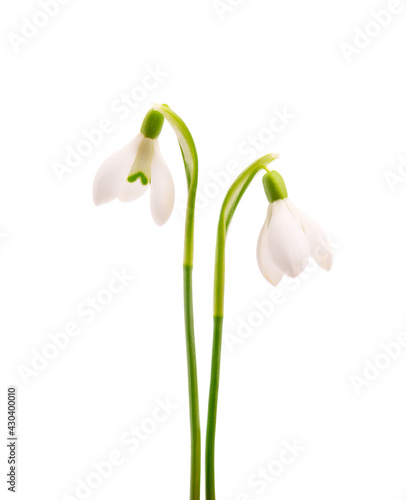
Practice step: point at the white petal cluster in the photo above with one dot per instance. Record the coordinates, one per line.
(288, 239)
(141, 160)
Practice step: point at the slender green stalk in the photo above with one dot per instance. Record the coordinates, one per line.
(230, 203)
(195, 459)
(189, 155)
(195, 465)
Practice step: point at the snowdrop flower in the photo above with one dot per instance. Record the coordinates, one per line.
(289, 237)
(127, 174)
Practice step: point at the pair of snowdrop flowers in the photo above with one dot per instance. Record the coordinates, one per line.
(288, 239)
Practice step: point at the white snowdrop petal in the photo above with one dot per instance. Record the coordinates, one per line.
(130, 191)
(296, 212)
(288, 245)
(320, 248)
(162, 189)
(266, 265)
(112, 175)
(141, 165)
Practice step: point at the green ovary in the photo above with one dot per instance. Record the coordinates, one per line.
(274, 186)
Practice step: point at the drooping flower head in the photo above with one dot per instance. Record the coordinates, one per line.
(289, 237)
(127, 174)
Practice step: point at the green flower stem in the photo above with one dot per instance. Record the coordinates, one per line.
(195, 458)
(189, 155)
(230, 203)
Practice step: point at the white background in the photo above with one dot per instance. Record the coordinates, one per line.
(293, 377)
